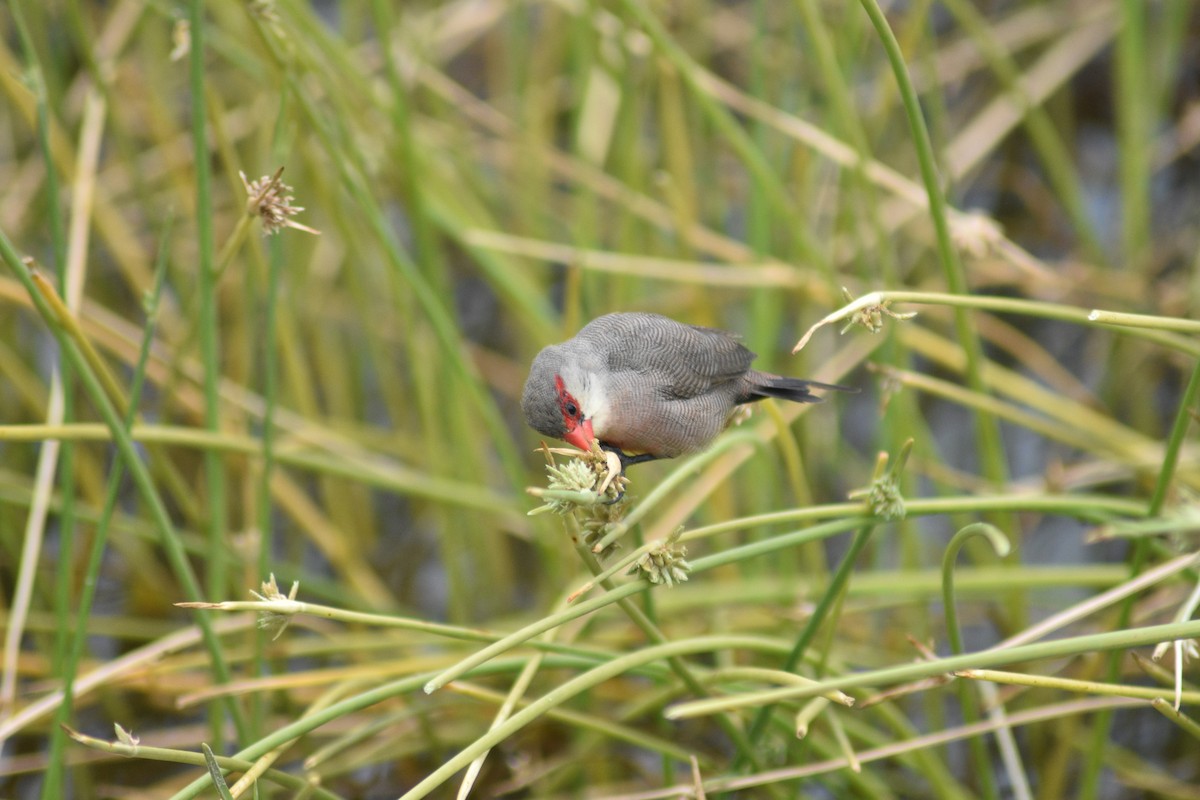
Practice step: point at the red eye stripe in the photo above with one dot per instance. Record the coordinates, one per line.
(567, 404)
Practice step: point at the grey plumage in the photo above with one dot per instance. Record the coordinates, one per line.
(648, 384)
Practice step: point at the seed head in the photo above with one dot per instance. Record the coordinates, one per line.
(271, 199)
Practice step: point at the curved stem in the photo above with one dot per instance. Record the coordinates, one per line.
(970, 708)
(999, 543)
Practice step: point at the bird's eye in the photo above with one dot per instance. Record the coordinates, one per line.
(566, 403)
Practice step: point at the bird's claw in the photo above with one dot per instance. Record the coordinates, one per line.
(615, 468)
(618, 462)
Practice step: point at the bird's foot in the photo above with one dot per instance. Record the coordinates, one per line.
(627, 460)
(615, 470)
(618, 462)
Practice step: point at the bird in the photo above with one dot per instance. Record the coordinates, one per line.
(648, 387)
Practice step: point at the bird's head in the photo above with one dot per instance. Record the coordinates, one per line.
(559, 398)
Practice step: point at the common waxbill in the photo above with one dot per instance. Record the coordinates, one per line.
(647, 387)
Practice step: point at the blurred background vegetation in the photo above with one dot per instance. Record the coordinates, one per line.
(341, 409)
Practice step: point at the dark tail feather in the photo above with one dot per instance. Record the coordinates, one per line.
(794, 389)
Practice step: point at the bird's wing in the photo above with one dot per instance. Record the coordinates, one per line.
(679, 360)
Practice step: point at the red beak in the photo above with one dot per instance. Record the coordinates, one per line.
(581, 435)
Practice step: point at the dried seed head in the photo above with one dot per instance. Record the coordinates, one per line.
(271, 199)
